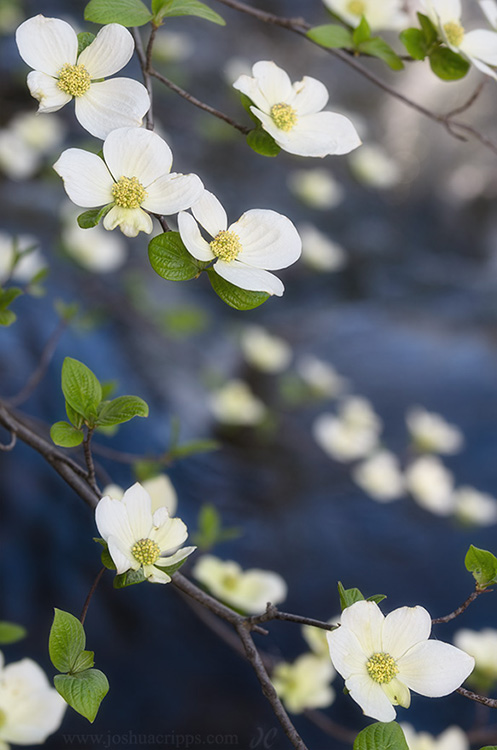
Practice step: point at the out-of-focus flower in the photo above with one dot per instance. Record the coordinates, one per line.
(161, 491)
(383, 658)
(235, 404)
(489, 7)
(25, 142)
(431, 433)
(235, 67)
(380, 14)
(140, 538)
(452, 739)
(317, 188)
(482, 646)
(316, 638)
(291, 113)
(372, 166)
(431, 484)
(30, 709)
(474, 507)
(135, 179)
(304, 684)
(380, 476)
(94, 249)
(321, 377)
(50, 46)
(352, 434)
(31, 261)
(259, 242)
(247, 590)
(319, 252)
(172, 46)
(264, 351)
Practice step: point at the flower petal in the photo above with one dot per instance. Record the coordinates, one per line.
(111, 49)
(170, 535)
(121, 555)
(433, 668)
(347, 654)
(397, 693)
(178, 556)
(46, 44)
(246, 277)
(310, 96)
(112, 520)
(172, 193)
(136, 152)
(273, 82)
(108, 105)
(371, 697)
(158, 576)
(193, 240)
(480, 44)
(138, 506)
(210, 214)
(403, 628)
(87, 180)
(319, 135)
(269, 240)
(365, 620)
(45, 90)
(131, 221)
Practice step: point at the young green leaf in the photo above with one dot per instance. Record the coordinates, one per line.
(415, 43)
(192, 447)
(81, 388)
(89, 219)
(85, 661)
(447, 65)
(74, 417)
(361, 33)
(240, 299)
(65, 435)
(381, 736)
(7, 317)
(7, 296)
(121, 409)
(83, 691)
(130, 578)
(429, 30)
(331, 36)
(67, 641)
(262, 143)
(483, 565)
(107, 560)
(170, 259)
(11, 633)
(377, 47)
(125, 12)
(85, 38)
(348, 596)
(169, 8)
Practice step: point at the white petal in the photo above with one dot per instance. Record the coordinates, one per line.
(136, 152)
(434, 668)
(403, 628)
(252, 279)
(108, 105)
(121, 555)
(157, 576)
(444, 10)
(44, 88)
(347, 654)
(47, 44)
(371, 697)
(87, 180)
(269, 240)
(170, 535)
(489, 7)
(193, 240)
(274, 83)
(310, 96)
(248, 86)
(160, 516)
(138, 505)
(131, 221)
(397, 693)
(112, 520)
(318, 135)
(111, 49)
(483, 67)
(172, 193)
(481, 44)
(210, 214)
(181, 554)
(365, 620)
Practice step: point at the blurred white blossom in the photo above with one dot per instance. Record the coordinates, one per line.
(431, 484)
(380, 476)
(374, 167)
(172, 46)
(31, 261)
(317, 188)
(94, 249)
(304, 684)
(452, 739)
(482, 646)
(160, 489)
(316, 638)
(235, 404)
(489, 7)
(350, 435)
(474, 507)
(264, 351)
(380, 14)
(25, 142)
(319, 252)
(431, 433)
(321, 377)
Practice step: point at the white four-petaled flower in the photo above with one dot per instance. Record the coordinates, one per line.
(305, 684)
(134, 177)
(260, 241)
(383, 658)
(50, 46)
(380, 14)
(291, 113)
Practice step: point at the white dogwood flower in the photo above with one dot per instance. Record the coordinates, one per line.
(260, 241)
(50, 46)
(374, 167)
(452, 739)
(489, 7)
(431, 484)
(134, 177)
(30, 708)
(319, 252)
(139, 538)
(383, 658)
(351, 434)
(482, 646)
(264, 351)
(235, 404)
(291, 113)
(380, 14)
(431, 433)
(247, 590)
(161, 491)
(316, 638)
(317, 188)
(479, 46)
(304, 684)
(380, 476)
(474, 507)
(321, 377)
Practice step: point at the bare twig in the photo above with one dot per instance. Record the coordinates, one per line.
(6, 447)
(45, 359)
(90, 595)
(142, 58)
(490, 702)
(471, 598)
(89, 461)
(273, 613)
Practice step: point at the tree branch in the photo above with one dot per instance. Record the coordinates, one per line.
(273, 613)
(471, 598)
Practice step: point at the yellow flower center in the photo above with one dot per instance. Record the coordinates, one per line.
(128, 192)
(284, 116)
(356, 7)
(73, 80)
(454, 33)
(146, 551)
(226, 245)
(3, 718)
(382, 667)
(230, 581)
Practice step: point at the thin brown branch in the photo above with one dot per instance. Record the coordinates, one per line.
(469, 102)
(273, 613)
(142, 59)
(90, 595)
(490, 702)
(37, 375)
(471, 598)
(89, 461)
(6, 447)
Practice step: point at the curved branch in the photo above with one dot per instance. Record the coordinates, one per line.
(471, 598)
(273, 613)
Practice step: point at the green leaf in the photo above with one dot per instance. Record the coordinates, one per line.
(85, 661)
(331, 36)
(7, 317)
(85, 38)
(120, 410)
(210, 531)
(377, 598)
(429, 30)
(125, 12)
(192, 447)
(109, 387)
(10, 632)
(483, 565)
(447, 65)
(7, 296)
(89, 219)
(381, 736)
(240, 299)
(361, 33)
(65, 435)
(415, 43)
(81, 388)
(262, 143)
(74, 417)
(246, 104)
(83, 691)
(170, 8)
(170, 259)
(489, 747)
(130, 578)
(67, 641)
(348, 596)
(66, 311)
(107, 560)
(171, 568)
(377, 47)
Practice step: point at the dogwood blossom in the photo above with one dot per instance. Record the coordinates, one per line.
(30, 709)
(474, 507)
(161, 491)
(26, 141)
(489, 7)
(452, 739)
(482, 646)
(264, 351)
(319, 252)
(317, 188)
(304, 684)
(140, 538)
(50, 46)
(291, 113)
(22, 267)
(351, 434)
(134, 178)
(321, 377)
(235, 404)
(247, 590)
(316, 638)
(431, 485)
(380, 14)
(380, 476)
(259, 242)
(374, 167)
(431, 433)
(383, 658)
